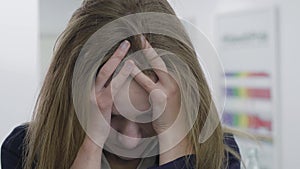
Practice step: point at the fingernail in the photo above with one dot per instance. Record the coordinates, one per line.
(124, 45)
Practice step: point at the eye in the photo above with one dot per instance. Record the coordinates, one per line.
(113, 116)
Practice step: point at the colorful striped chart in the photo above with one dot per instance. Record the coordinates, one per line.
(246, 74)
(261, 93)
(246, 121)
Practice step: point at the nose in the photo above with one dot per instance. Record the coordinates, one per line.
(131, 129)
(129, 134)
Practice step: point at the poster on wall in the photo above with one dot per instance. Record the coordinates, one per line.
(247, 44)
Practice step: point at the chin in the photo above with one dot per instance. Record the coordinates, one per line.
(126, 158)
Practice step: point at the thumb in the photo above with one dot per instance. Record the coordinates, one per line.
(158, 100)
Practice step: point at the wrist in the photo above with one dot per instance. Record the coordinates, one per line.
(176, 134)
(88, 156)
(168, 154)
(90, 146)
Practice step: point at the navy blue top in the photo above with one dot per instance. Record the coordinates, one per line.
(13, 146)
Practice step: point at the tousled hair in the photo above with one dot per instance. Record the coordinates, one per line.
(55, 135)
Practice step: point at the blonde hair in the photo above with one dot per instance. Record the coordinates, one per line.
(55, 135)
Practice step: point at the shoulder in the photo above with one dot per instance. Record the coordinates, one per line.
(15, 139)
(230, 141)
(12, 148)
(233, 162)
(185, 162)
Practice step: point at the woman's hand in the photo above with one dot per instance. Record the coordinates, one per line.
(164, 93)
(104, 94)
(90, 152)
(165, 98)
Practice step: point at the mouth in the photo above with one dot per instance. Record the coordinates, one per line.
(129, 142)
(139, 150)
(125, 158)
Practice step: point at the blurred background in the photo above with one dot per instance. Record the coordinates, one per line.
(257, 42)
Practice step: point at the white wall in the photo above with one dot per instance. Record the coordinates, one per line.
(19, 70)
(18, 62)
(199, 12)
(289, 35)
(290, 81)
(25, 55)
(53, 18)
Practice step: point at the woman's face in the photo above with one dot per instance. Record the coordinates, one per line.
(139, 98)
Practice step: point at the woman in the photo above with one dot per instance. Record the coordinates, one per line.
(56, 137)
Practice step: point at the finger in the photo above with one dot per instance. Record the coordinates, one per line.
(118, 81)
(102, 104)
(105, 102)
(154, 59)
(110, 66)
(142, 79)
(158, 101)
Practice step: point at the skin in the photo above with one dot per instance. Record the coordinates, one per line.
(165, 99)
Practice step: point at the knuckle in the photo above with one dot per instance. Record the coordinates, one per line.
(158, 96)
(148, 84)
(119, 54)
(161, 99)
(93, 99)
(115, 86)
(116, 59)
(103, 102)
(124, 73)
(104, 71)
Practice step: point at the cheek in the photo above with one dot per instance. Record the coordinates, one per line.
(116, 123)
